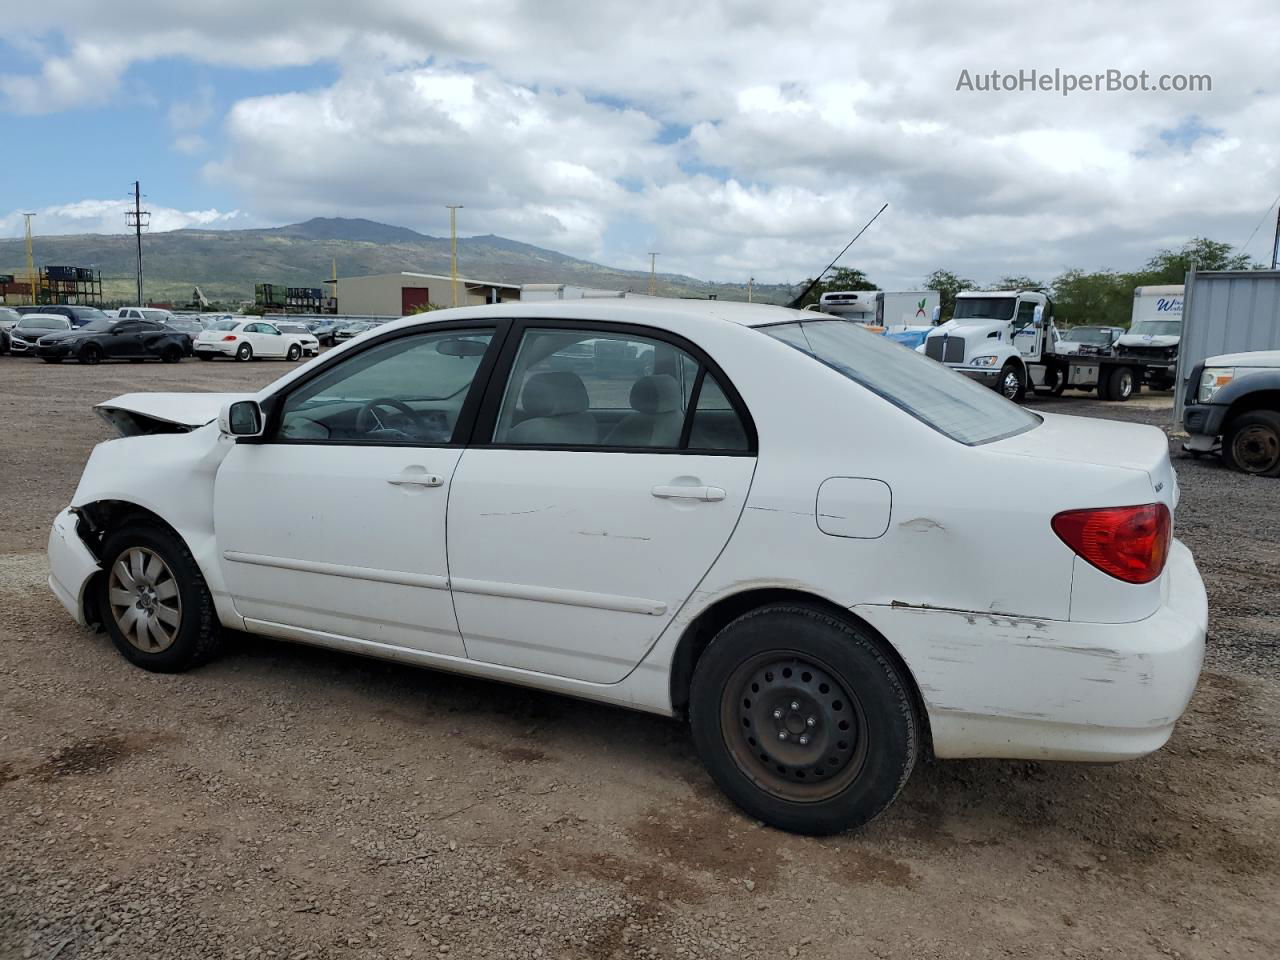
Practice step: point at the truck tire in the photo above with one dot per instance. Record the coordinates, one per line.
(1251, 443)
(1119, 384)
(1012, 384)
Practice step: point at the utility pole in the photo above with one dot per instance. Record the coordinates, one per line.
(31, 260)
(750, 283)
(1275, 246)
(453, 248)
(138, 218)
(653, 274)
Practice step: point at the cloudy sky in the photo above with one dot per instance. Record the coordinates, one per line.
(738, 139)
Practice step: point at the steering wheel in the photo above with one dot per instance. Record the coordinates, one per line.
(369, 413)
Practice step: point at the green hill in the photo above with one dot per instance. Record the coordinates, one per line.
(225, 264)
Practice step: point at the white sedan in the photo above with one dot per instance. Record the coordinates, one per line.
(246, 339)
(829, 553)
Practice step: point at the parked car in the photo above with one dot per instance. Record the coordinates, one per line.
(349, 330)
(190, 327)
(8, 317)
(145, 313)
(246, 339)
(115, 340)
(697, 540)
(1089, 340)
(310, 342)
(1234, 399)
(75, 313)
(324, 331)
(33, 326)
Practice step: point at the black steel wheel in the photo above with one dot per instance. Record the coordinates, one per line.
(1251, 443)
(90, 353)
(802, 719)
(171, 353)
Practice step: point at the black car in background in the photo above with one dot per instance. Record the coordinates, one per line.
(77, 314)
(189, 326)
(325, 331)
(108, 339)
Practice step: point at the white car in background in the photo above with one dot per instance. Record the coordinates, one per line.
(246, 339)
(652, 504)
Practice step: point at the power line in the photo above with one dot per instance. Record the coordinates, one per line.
(1261, 220)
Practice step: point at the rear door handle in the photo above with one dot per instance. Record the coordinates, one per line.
(416, 478)
(676, 492)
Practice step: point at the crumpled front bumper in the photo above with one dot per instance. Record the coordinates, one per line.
(71, 565)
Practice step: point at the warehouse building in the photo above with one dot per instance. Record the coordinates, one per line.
(398, 294)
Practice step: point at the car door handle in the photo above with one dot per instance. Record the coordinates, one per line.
(676, 492)
(418, 478)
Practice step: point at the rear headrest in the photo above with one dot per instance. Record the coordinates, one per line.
(554, 394)
(657, 393)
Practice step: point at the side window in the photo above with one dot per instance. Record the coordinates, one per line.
(585, 388)
(146, 326)
(1026, 314)
(407, 391)
(129, 326)
(716, 425)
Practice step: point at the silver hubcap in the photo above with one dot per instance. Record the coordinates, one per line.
(1011, 385)
(144, 600)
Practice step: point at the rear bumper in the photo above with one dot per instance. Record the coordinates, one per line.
(998, 686)
(71, 565)
(217, 347)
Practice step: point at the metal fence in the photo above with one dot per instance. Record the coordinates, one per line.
(1228, 311)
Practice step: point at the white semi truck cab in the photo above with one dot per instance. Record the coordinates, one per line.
(1001, 338)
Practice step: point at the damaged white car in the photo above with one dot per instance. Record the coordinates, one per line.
(829, 553)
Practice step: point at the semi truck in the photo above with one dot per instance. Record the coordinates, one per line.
(888, 311)
(1007, 340)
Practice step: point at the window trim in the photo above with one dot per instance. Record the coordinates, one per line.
(273, 406)
(496, 387)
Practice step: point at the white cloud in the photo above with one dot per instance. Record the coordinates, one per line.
(560, 123)
(107, 216)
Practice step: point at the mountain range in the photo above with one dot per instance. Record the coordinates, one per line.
(226, 264)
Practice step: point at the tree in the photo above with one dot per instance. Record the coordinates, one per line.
(948, 285)
(1103, 298)
(841, 278)
(1018, 283)
(1171, 266)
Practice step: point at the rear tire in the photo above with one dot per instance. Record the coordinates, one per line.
(171, 354)
(851, 731)
(154, 601)
(1251, 443)
(244, 352)
(1120, 384)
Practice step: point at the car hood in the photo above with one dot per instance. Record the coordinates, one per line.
(1101, 443)
(53, 335)
(1254, 358)
(1147, 340)
(140, 413)
(975, 328)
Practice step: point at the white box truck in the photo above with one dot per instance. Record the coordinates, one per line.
(1155, 329)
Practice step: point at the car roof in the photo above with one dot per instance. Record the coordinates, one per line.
(43, 316)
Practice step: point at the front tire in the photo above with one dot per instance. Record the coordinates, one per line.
(154, 602)
(244, 352)
(90, 353)
(1251, 443)
(295, 352)
(171, 354)
(1013, 382)
(802, 721)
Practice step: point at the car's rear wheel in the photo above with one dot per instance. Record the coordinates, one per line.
(1251, 443)
(295, 352)
(154, 602)
(171, 353)
(1013, 382)
(1121, 384)
(802, 720)
(90, 353)
(244, 352)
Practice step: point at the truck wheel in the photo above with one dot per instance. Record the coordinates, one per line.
(1251, 443)
(1119, 384)
(1013, 382)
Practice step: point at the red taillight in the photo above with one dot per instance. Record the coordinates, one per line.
(1130, 543)
(228, 338)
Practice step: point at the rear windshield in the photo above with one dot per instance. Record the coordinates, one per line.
(226, 325)
(947, 401)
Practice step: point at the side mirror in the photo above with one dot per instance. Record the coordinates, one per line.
(243, 418)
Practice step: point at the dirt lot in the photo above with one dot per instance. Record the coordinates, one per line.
(289, 802)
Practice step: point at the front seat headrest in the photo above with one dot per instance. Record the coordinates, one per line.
(554, 394)
(657, 393)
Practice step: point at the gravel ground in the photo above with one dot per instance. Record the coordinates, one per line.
(290, 802)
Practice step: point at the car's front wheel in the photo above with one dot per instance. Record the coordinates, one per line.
(90, 353)
(802, 720)
(1013, 382)
(1251, 443)
(154, 602)
(171, 354)
(295, 352)
(244, 352)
